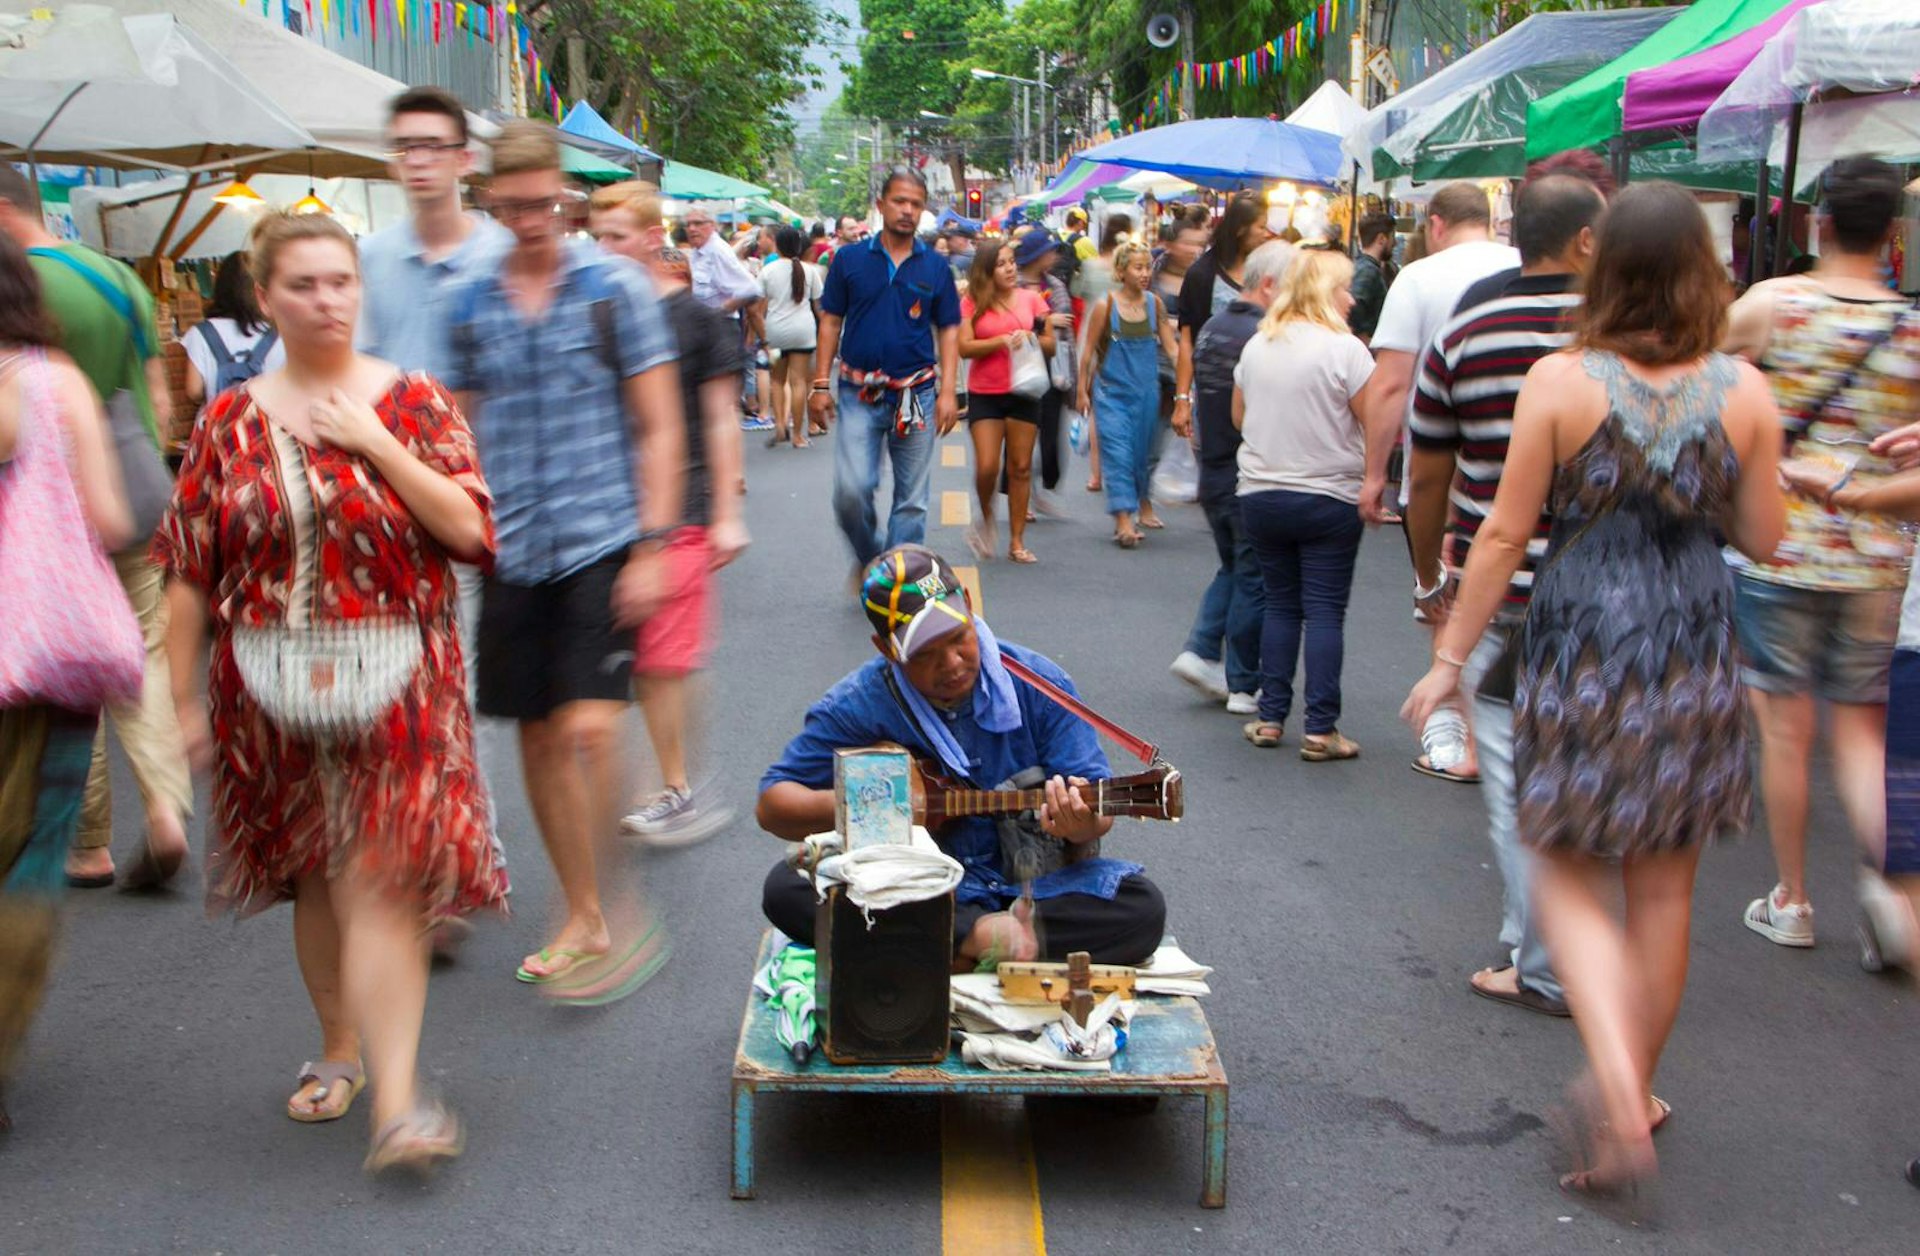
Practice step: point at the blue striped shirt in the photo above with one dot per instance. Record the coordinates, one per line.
(549, 412)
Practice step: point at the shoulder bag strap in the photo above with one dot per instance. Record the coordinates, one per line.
(110, 291)
(1147, 752)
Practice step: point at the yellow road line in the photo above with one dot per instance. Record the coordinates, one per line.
(970, 580)
(956, 511)
(953, 455)
(989, 1191)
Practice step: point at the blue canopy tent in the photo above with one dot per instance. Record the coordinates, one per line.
(585, 129)
(950, 219)
(1228, 151)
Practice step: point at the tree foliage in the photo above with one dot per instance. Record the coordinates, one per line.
(710, 80)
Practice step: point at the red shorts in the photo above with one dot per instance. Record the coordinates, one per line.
(676, 639)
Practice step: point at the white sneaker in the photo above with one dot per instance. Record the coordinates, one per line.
(1888, 927)
(1786, 925)
(1243, 704)
(1209, 678)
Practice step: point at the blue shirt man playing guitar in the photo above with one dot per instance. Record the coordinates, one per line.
(942, 688)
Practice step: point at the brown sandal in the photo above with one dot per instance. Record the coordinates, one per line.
(1328, 747)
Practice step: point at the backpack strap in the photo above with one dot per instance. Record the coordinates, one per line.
(216, 343)
(257, 355)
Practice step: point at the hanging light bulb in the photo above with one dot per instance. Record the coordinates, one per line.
(310, 203)
(239, 194)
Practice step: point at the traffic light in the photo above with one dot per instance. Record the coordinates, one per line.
(973, 202)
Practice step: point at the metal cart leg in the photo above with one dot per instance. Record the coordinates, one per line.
(1213, 1172)
(743, 1097)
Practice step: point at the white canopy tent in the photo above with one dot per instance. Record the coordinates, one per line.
(1864, 52)
(86, 85)
(130, 221)
(1333, 110)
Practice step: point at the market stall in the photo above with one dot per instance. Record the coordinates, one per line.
(1228, 152)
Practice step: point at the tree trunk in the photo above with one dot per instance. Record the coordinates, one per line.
(577, 83)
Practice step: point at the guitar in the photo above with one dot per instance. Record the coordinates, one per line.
(1155, 794)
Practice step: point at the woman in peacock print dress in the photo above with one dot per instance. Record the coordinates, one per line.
(1630, 738)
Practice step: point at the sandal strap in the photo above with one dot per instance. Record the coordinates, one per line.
(327, 1072)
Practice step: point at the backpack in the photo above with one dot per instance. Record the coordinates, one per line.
(231, 368)
(466, 345)
(1066, 262)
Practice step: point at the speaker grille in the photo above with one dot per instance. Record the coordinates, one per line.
(883, 992)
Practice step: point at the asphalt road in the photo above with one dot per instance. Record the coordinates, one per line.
(1377, 1106)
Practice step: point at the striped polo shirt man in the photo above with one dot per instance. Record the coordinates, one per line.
(1464, 395)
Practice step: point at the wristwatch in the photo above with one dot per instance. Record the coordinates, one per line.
(1186, 397)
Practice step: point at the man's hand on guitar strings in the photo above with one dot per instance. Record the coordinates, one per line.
(1066, 814)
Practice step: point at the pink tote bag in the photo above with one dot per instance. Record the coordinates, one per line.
(68, 636)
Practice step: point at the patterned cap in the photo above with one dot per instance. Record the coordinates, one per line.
(912, 596)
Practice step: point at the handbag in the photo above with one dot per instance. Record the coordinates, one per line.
(69, 637)
(1030, 374)
(143, 472)
(325, 682)
(1060, 368)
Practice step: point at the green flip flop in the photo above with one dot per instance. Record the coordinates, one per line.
(547, 956)
(616, 980)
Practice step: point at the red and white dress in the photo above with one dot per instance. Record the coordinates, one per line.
(256, 511)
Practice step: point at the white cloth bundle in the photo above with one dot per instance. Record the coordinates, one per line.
(1061, 1044)
(879, 877)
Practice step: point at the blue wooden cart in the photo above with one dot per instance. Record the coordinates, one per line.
(1170, 1051)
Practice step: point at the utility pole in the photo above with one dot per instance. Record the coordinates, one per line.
(1186, 60)
(1046, 132)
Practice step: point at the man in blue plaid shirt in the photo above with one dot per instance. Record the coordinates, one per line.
(562, 359)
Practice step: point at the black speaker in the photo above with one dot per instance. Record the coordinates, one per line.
(881, 993)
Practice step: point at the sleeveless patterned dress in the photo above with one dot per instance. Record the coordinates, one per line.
(1630, 728)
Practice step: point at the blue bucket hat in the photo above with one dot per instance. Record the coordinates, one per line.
(1033, 246)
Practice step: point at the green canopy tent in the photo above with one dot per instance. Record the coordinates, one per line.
(686, 182)
(589, 168)
(1586, 112)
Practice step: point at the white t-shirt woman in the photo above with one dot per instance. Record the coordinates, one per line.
(1298, 431)
(791, 325)
(205, 363)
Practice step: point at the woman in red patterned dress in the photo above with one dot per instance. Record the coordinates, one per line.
(313, 526)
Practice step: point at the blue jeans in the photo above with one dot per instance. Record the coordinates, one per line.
(1493, 736)
(1306, 544)
(1232, 606)
(861, 434)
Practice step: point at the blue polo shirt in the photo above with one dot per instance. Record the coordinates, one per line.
(861, 710)
(890, 313)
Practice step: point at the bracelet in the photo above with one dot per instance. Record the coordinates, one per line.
(1836, 486)
(1454, 663)
(1186, 397)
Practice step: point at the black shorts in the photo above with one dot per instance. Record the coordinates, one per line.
(545, 645)
(1002, 406)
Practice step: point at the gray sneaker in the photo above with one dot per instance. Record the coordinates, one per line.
(674, 818)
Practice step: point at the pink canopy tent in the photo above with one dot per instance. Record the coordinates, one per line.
(1677, 93)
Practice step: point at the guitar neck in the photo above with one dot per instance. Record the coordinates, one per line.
(997, 802)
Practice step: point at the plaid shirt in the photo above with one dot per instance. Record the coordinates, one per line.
(548, 410)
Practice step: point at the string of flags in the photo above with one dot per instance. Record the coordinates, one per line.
(1303, 39)
(434, 22)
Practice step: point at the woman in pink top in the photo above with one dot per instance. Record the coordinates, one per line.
(998, 318)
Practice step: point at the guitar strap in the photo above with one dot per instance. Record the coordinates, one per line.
(1148, 753)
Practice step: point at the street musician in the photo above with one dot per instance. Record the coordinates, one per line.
(941, 687)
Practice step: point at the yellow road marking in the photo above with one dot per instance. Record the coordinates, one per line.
(970, 580)
(989, 1191)
(953, 455)
(955, 509)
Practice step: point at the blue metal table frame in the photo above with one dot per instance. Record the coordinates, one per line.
(1170, 1051)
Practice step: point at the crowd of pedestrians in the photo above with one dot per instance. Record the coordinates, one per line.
(1654, 534)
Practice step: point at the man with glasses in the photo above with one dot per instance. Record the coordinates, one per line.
(561, 357)
(408, 270)
(887, 304)
(408, 267)
(721, 281)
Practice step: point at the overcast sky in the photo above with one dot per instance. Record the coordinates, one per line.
(807, 110)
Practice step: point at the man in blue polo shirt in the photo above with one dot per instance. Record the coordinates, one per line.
(886, 303)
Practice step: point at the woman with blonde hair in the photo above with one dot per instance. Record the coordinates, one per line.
(1120, 383)
(1302, 456)
(313, 530)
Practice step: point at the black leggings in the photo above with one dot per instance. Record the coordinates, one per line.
(1051, 402)
(1125, 929)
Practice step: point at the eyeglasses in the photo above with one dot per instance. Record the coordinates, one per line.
(506, 210)
(401, 150)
